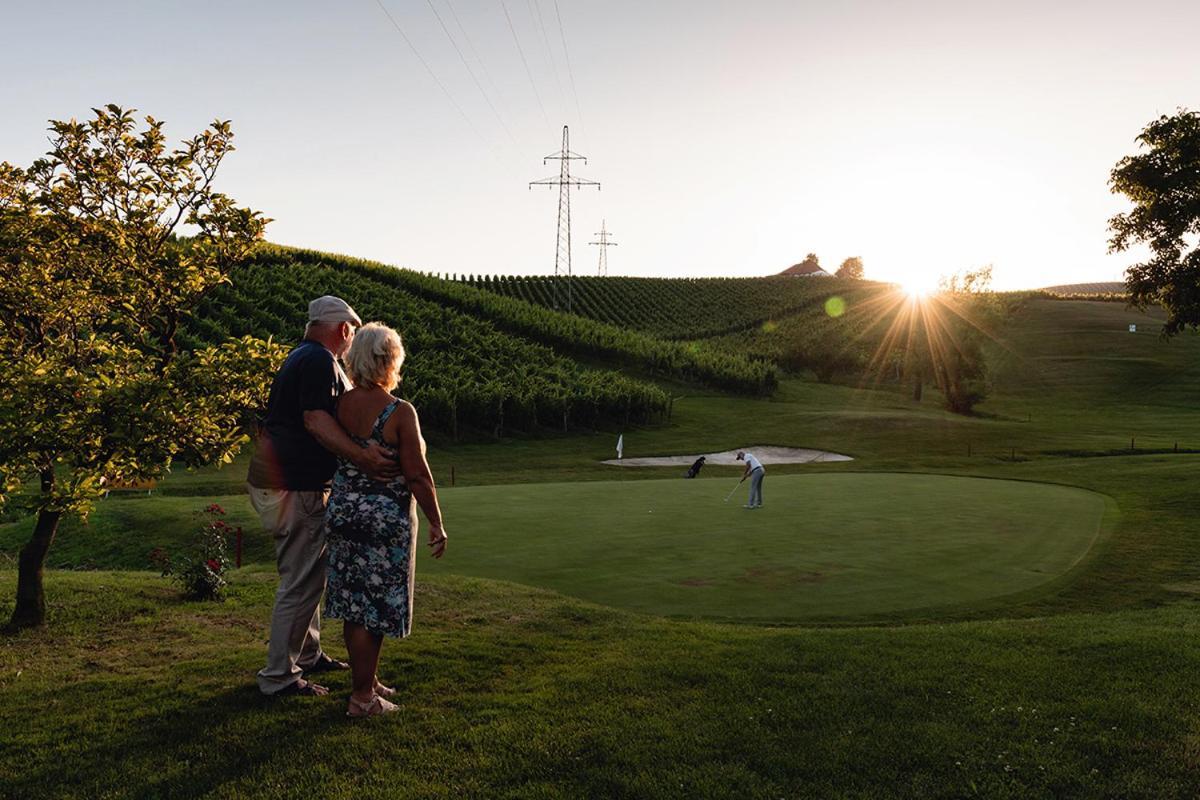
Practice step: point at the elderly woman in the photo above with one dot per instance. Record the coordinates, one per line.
(372, 525)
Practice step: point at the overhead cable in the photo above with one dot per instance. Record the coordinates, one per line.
(429, 69)
(567, 56)
(532, 83)
(487, 76)
(535, 9)
(470, 71)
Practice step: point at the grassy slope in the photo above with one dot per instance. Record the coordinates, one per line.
(510, 692)
(515, 692)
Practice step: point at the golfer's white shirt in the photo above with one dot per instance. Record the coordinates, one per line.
(752, 462)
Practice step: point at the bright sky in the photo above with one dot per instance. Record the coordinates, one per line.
(729, 138)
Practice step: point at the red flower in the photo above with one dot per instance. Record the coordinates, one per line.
(214, 565)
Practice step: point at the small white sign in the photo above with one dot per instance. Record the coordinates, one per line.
(1133, 328)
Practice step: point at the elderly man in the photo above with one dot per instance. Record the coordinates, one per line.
(289, 480)
(754, 471)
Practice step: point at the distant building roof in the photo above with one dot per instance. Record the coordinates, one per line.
(806, 271)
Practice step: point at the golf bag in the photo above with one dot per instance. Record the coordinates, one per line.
(694, 470)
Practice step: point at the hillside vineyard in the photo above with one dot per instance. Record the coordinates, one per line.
(672, 308)
(475, 359)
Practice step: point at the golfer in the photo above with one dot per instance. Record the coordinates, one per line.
(290, 475)
(754, 471)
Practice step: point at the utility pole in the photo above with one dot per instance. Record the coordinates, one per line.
(564, 182)
(604, 243)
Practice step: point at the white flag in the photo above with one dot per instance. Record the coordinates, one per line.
(621, 446)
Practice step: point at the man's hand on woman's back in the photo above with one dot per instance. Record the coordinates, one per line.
(378, 462)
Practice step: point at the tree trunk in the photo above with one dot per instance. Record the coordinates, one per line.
(918, 386)
(31, 599)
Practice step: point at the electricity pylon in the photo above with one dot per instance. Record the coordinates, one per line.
(564, 182)
(604, 243)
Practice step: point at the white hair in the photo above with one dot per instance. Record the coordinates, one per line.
(375, 356)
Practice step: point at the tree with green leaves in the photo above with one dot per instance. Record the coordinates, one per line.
(851, 269)
(98, 277)
(942, 335)
(831, 347)
(1163, 183)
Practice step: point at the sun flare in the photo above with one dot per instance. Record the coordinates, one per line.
(917, 287)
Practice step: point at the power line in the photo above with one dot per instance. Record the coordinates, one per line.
(471, 46)
(603, 233)
(470, 71)
(567, 56)
(535, 9)
(517, 41)
(429, 69)
(564, 182)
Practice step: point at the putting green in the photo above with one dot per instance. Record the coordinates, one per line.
(824, 546)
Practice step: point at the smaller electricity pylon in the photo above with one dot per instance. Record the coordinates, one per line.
(604, 243)
(564, 182)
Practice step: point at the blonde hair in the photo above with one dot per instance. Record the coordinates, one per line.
(375, 356)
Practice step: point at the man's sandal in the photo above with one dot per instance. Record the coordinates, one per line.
(302, 688)
(326, 664)
(371, 708)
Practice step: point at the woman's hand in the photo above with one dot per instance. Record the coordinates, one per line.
(437, 540)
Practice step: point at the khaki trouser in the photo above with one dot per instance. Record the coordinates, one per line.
(296, 520)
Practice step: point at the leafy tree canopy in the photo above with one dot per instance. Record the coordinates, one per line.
(1163, 183)
(92, 389)
(851, 268)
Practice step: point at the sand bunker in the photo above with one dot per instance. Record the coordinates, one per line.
(767, 454)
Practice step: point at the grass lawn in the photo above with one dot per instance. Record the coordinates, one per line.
(1029, 636)
(824, 546)
(510, 692)
(827, 546)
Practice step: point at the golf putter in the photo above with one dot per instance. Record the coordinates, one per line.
(731, 491)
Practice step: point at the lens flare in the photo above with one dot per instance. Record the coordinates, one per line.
(917, 287)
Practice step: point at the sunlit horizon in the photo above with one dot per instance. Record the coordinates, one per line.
(925, 138)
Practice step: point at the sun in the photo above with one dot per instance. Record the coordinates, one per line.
(917, 287)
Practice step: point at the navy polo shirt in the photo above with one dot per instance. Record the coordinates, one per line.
(287, 456)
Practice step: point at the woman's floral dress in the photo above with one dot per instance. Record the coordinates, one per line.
(370, 528)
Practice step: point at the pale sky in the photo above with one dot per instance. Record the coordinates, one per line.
(730, 138)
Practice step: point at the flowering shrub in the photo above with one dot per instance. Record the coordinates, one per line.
(200, 571)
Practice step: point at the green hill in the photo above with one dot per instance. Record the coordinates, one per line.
(1027, 653)
(476, 359)
(671, 308)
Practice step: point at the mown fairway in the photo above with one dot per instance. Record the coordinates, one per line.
(823, 546)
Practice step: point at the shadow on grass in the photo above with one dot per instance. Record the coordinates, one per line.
(181, 750)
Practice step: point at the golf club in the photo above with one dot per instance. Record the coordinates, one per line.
(731, 491)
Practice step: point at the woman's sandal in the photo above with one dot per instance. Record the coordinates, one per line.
(371, 708)
(383, 691)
